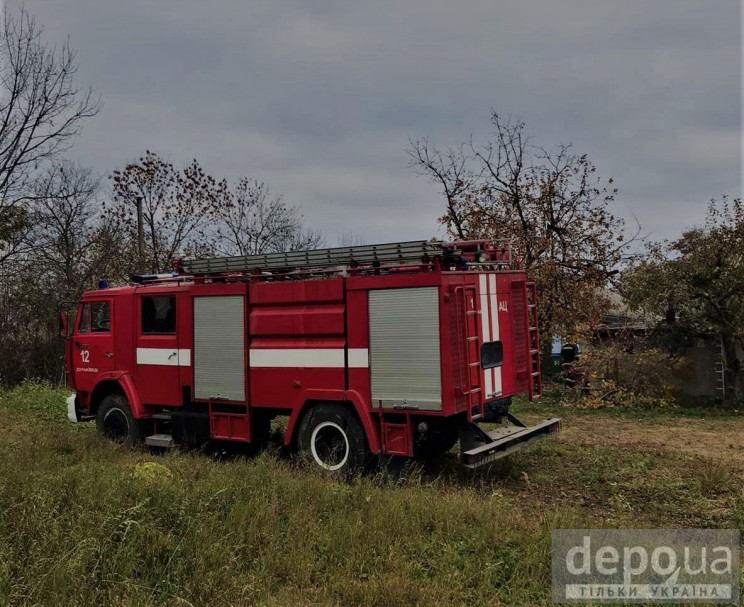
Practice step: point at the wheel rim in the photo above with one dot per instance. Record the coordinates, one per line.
(116, 425)
(329, 446)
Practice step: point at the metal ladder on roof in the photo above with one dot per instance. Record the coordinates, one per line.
(534, 386)
(376, 254)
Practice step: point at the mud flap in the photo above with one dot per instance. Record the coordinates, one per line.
(478, 447)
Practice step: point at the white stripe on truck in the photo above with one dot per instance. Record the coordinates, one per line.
(320, 358)
(486, 325)
(276, 358)
(494, 334)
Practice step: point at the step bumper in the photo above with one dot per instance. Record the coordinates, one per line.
(507, 441)
(164, 441)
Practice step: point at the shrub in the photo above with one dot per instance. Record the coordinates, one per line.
(625, 371)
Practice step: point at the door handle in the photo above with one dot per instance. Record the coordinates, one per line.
(109, 355)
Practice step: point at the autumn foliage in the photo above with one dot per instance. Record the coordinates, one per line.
(550, 199)
(693, 287)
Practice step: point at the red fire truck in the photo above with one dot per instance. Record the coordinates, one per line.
(394, 349)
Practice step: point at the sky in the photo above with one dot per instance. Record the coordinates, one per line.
(318, 98)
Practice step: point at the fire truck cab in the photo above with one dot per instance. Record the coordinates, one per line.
(395, 349)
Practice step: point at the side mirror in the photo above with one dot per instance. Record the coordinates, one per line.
(63, 324)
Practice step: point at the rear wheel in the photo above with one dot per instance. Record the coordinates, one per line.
(115, 422)
(333, 439)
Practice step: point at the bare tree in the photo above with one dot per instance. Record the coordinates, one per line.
(72, 245)
(41, 112)
(67, 247)
(253, 220)
(550, 199)
(188, 212)
(172, 209)
(15, 226)
(46, 214)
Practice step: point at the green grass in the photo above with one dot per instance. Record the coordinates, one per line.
(85, 522)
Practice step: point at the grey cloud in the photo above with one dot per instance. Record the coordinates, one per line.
(319, 98)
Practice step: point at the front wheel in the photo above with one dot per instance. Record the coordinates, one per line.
(333, 439)
(115, 422)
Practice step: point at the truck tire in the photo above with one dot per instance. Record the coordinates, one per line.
(333, 439)
(115, 422)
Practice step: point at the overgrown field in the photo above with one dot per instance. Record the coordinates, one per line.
(84, 522)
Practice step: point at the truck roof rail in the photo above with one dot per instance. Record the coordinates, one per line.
(364, 255)
(491, 253)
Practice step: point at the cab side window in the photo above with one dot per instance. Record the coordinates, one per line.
(100, 317)
(95, 318)
(159, 315)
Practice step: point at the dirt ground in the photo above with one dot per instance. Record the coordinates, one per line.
(721, 440)
(627, 471)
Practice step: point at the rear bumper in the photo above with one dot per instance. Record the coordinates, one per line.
(508, 440)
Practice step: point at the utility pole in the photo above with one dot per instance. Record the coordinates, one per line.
(140, 233)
